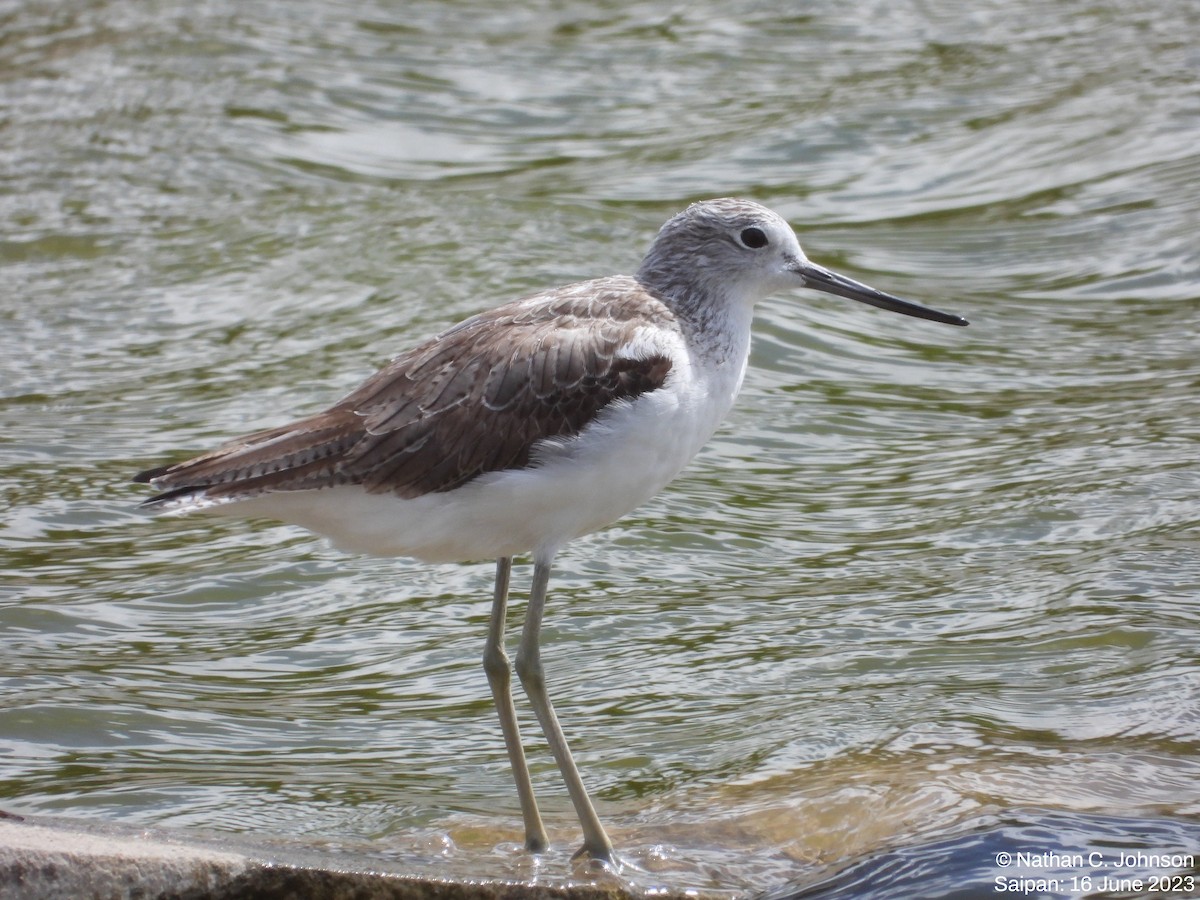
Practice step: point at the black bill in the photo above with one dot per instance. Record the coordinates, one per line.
(821, 279)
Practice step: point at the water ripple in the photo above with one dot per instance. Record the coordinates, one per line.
(924, 575)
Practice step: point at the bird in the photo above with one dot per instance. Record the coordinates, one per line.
(524, 427)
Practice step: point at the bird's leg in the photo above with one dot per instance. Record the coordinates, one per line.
(495, 664)
(529, 669)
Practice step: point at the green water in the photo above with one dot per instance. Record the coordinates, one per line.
(923, 574)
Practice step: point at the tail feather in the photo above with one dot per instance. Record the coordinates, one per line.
(299, 456)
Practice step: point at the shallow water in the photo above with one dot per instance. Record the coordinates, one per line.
(924, 574)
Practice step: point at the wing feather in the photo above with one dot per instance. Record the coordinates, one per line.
(475, 399)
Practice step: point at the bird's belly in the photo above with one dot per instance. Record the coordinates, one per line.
(573, 487)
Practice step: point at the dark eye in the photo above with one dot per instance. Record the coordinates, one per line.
(754, 238)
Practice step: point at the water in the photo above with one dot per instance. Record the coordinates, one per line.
(924, 575)
(1078, 855)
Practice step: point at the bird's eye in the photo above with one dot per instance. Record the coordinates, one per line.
(754, 238)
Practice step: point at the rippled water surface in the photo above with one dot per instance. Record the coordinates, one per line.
(922, 575)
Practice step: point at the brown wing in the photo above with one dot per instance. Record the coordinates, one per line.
(474, 399)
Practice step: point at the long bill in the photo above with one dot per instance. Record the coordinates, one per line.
(821, 279)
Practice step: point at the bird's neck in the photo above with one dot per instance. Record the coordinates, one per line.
(715, 323)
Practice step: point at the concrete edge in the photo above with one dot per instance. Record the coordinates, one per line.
(44, 858)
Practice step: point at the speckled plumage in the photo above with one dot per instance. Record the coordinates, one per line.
(472, 400)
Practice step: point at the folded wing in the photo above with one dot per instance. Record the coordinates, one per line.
(472, 400)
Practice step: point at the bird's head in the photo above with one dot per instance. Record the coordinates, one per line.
(740, 250)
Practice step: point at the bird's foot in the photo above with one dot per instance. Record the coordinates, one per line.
(597, 859)
(537, 843)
